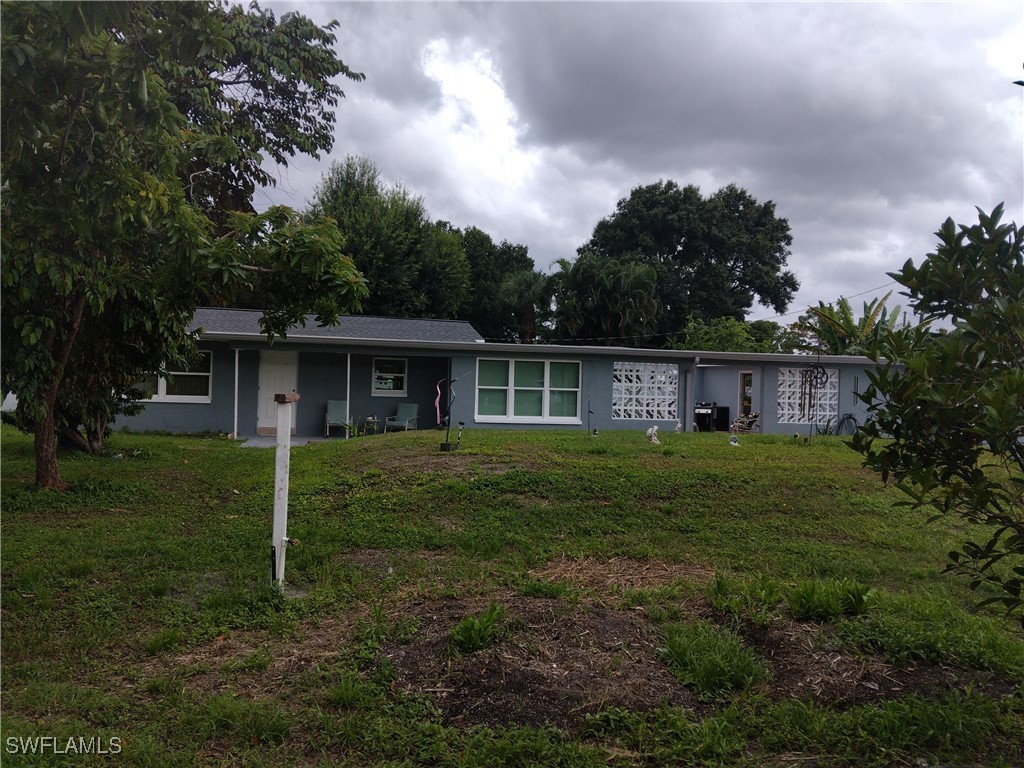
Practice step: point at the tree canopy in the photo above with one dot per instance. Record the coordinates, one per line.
(132, 142)
(603, 301)
(723, 334)
(947, 422)
(491, 264)
(711, 256)
(414, 267)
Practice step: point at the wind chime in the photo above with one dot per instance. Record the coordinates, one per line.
(813, 379)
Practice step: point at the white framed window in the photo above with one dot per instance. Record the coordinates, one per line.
(808, 395)
(528, 391)
(189, 384)
(390, 377)
(647, 391)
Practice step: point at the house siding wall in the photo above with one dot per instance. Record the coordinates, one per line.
(322, 376)
(214, 416)
(850, 376)
(422, 372)
(595, 392)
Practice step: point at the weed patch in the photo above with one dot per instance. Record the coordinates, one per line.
(163, 640)
(475, 633)
(712, 660)
(828, 600)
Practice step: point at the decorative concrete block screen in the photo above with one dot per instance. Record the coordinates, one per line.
(806, 398)
(648, 391)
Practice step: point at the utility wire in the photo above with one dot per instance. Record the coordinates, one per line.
(851, 296)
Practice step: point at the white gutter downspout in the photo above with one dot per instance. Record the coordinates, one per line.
(234, 434)
(688, 414)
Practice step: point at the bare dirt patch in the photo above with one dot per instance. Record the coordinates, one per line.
(803, 668)
(556, 663)
(603, 576)
(409, 459)
(560, 662)
(253, 662)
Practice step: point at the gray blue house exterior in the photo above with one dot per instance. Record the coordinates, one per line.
(374, 364)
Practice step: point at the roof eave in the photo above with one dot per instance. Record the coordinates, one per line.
(476, 347)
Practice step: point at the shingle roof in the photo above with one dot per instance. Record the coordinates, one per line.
(245, 322)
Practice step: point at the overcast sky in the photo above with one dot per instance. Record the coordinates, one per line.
(866, 123)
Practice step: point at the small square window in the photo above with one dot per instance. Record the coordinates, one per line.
(389, 377)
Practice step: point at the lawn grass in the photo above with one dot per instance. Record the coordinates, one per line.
(136, 606)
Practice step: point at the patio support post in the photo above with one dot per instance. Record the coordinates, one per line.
(234, 433)
(690, 398)
(348, 391)
(279, 540)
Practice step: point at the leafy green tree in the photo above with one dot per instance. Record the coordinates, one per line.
(833, 330)
(490, 265)
(712, 256)
(769, 336)
(723, 334)
(526, 296)
(444, 272)
(604, 302)
(414, 267)
(727, 334)
(126, 194)
(946, 405)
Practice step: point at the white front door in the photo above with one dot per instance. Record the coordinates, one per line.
(279, 374)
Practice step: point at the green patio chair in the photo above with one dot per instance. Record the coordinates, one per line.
(405, 419)
(336, 416)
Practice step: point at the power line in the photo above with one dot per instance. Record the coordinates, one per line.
(851, 296)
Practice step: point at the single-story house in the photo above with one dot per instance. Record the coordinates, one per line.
(374, 364)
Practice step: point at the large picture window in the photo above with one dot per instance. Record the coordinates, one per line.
(188, 384)
(808, 395)
(528, 391)
(647, 391)
(389, 377)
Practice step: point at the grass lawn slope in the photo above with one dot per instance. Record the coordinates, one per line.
(536, 598)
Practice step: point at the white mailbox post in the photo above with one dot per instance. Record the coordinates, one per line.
(280, 541)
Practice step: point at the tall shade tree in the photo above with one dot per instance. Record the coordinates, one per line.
(713, 256)
(526, 296)
(947, 417)
(491, 264)
(132, 137)
(833, 330)
(444, 272)
(604, 302)
(414, 267)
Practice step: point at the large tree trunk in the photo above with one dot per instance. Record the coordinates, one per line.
(47, 471)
